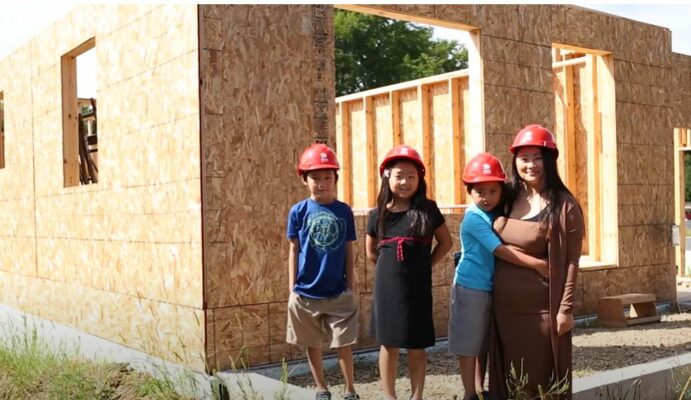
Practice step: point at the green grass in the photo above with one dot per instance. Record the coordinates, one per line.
(29, 369)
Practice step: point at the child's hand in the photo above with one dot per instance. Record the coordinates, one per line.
(542, 268)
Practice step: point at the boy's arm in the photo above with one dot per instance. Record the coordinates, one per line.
(371, 247)
(517, 257)
(349, 268)
(444, 243)
(292, 263)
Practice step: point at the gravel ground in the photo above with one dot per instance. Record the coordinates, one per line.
(595, 349)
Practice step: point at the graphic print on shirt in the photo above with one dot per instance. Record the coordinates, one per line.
(326, 232)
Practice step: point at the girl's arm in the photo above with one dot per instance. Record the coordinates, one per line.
(371, 247)
(349, 269)
(444, 243)
(292, 263)
(516, 256)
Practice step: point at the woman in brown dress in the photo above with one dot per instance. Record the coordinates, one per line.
(533, 313)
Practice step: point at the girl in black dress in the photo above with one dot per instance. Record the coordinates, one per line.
(399, 239)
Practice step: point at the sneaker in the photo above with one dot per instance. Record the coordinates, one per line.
(351, 396)
(325, 395)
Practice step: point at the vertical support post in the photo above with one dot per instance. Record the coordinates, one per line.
(594, 150)
(371, 140)
(395, 102)
(70, 145)
(346, 153)
(427, 139)
(458, 145)
(680, 141)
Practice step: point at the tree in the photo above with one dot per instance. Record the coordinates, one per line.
(373, 51)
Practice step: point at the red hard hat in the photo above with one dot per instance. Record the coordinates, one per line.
(402, 152)
(484, 167)
(534, 135)
(317, 156)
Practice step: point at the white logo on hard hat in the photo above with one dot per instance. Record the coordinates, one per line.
(528, 136)
(404, 151)
(486, 169)
(324, 157)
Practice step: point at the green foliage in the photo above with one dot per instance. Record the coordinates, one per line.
(373, 51)
(30, 369)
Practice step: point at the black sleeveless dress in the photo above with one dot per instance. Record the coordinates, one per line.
(402, 299)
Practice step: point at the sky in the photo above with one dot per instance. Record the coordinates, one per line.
(20, 21)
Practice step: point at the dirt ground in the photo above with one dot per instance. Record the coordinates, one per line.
(596, 349)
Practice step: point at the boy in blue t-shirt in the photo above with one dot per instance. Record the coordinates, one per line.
(471, 293)
(321, 231)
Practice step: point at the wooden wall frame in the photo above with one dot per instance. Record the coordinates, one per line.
(597, 84)
(70, 112)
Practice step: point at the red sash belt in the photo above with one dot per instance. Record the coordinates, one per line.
(399, 240)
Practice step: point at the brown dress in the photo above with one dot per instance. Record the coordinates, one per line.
(526, 303)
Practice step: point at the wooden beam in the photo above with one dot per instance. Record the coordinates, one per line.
(427, 138)
(371, 140)
(398, 87)
(580, 49)
(70, 143)
(70, 112)
(458, 145)
(347, 154)
(556, 54)
(594, 172)
(395, 102)
(570, 128)
(679, 199)
(387, 13)
(570, 62)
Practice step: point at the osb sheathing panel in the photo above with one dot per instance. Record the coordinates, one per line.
(681, 90)
(17, 222)
(166, 330)
(256, 122)
(120, 259)
(652, 278)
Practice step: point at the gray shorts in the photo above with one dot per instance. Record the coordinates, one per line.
(469, 321)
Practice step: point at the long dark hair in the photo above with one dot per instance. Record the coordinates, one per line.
(419, 218)
(552, 184)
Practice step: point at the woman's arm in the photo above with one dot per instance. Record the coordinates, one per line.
(516, 256)
(444, 243)
(371, 248)
(574, 228)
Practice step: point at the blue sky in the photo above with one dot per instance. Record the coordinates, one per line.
(19, 21)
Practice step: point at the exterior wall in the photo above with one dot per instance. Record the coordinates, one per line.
(120, 259)
(515, 43)
(267, 86)
(680, 86)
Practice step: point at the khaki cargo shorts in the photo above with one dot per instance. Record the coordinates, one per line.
(310, 319)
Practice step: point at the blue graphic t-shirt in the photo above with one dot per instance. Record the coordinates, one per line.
(476, 266)
(322, 230)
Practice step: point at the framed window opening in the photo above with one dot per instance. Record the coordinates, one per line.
(432, 114)
(585, 129)
(79, 116)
